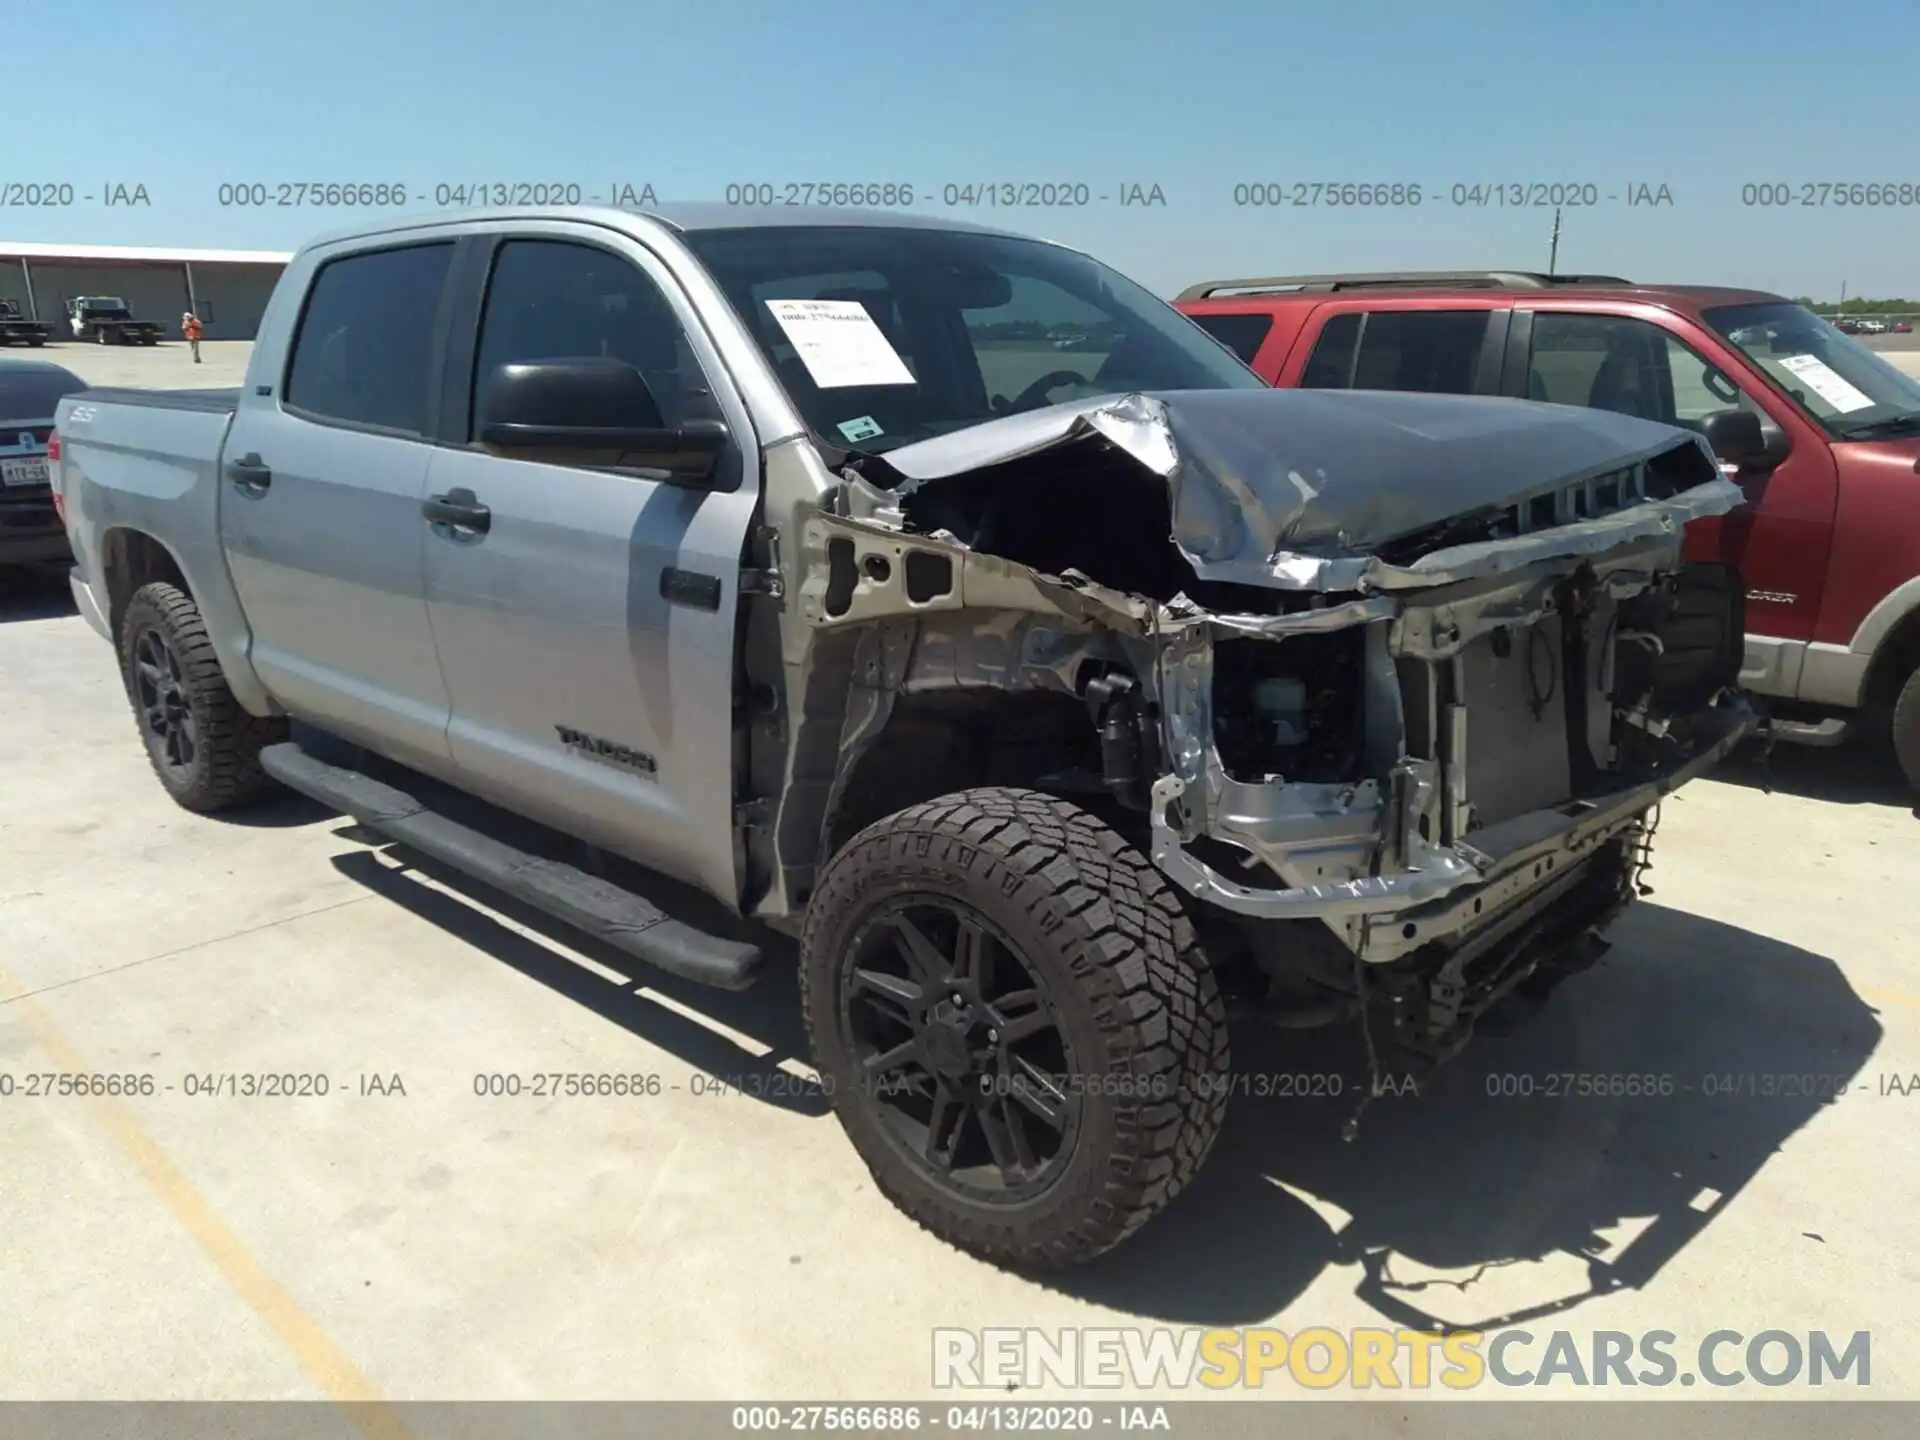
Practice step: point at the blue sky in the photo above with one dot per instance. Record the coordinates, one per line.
(186, 95)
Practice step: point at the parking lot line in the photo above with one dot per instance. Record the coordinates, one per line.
(313, 1349)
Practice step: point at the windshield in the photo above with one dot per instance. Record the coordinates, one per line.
(887, 335)
(1849, 390)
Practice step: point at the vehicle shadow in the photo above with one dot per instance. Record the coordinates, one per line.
(767, 1016)
(34, 593)
(1860, 772)
(1501, 1163)
(739, 1038)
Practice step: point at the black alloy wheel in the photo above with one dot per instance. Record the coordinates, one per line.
(203, 746)
(962, 1049)
(160, 697)
(1016, 1022)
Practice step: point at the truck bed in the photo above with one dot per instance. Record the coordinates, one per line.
(148, 462)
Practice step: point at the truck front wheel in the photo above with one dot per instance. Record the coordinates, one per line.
(204, 747)
(1020, 1031)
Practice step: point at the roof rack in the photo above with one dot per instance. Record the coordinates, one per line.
(1451, 279)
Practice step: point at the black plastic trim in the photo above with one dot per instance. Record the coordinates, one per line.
(691, 588)
(1519, 356)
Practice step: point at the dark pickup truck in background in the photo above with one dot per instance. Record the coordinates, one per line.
(16, 329)
(108, 320)
(1821, 433)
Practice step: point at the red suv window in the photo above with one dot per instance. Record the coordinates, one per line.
(1434, 351)
(1242, 334)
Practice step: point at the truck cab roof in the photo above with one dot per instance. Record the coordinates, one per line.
(683, 219)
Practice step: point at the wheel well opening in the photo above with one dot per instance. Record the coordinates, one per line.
(1897, 658)
(936, 744)
(130, 559)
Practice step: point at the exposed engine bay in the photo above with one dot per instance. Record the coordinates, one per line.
(1388, 686)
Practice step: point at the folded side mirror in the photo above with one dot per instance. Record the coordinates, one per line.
(597, 411)
(1738, 438)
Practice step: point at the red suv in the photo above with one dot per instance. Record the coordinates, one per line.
(1822, 433)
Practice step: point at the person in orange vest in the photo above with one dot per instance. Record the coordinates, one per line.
(190, 327)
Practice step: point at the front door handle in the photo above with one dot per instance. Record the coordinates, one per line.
(459, 508)
(250, 473)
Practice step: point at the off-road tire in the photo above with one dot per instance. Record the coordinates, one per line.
(1906, 731)
(225, 772)
(1091, 917)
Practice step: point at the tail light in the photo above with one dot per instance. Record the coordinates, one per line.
(53, 475)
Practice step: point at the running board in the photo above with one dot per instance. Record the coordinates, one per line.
(621, 918)
(1823, 733)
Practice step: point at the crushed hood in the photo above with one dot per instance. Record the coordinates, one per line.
(1298, 489)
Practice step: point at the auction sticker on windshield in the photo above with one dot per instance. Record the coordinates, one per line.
(865, 428)
(1828, 383)
(839, 343)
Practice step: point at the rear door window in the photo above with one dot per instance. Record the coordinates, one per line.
(1330, 366)
(366, 338)
(1430, 351)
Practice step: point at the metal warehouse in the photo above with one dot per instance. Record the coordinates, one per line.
(227, 288)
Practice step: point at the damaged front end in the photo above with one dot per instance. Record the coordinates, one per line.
(1394, 707)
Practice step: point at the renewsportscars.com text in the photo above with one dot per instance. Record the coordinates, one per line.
(1321, 1358)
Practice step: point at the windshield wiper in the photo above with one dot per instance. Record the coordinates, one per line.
(1892, 425)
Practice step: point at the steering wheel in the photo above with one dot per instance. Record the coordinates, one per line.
(1036, 394)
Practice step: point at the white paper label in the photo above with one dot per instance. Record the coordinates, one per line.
(865, 428)
(1828, 383)
(839, 343)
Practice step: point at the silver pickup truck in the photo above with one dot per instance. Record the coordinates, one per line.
(1059, 703)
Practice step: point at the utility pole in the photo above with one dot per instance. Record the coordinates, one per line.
(1553, 252)
(1843, 299)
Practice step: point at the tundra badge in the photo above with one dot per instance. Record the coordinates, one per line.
(624, 756)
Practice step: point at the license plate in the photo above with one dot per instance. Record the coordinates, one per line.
(23, 472)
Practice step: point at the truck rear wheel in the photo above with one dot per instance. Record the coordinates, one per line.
(1906, 730)
(204, 747)
(1020, 1030)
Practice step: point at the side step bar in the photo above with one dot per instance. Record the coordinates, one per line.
(619, 917)
(1823, 733)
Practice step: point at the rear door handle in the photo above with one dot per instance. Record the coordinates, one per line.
(460, 508)
(250, 473)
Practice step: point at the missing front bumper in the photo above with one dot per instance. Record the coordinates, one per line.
(1451, 887)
